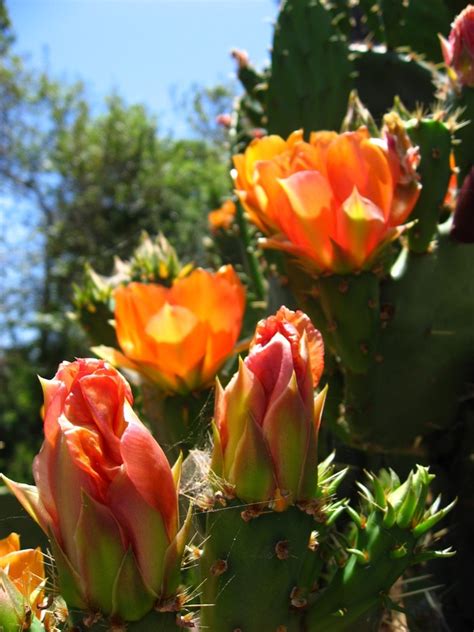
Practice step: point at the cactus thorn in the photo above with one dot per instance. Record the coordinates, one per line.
(398, 552)
(362, 556)
(297, 599)
(219, 498)
(424, 526)
(219, 567)
(91, 619)
(390, 516)
(185, 621)
(313, 543)
(357, 518)
(343, 286)
(252, 512)
(364, 347)
(282, 549)
(332, 326)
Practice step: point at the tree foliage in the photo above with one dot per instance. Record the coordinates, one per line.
(82, 185)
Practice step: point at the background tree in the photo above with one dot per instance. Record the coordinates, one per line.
(80, 186)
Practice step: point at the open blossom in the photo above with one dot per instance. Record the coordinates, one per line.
(334, 201)
(180, 336)
(22, 580)
(458, 49)
(267, 419)
(105, 494)
(223, 217)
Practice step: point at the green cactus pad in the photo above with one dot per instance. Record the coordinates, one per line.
(385, 543)
(350, 304)
(425, 350)
(258, 573)
(152, 622)
(416, 24)
(311, 74)
(383, 74)
(434, 140)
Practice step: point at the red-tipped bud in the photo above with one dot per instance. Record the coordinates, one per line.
(241, 57)
(224, 120)
(104, 494)
(458, 50)
(267, 419)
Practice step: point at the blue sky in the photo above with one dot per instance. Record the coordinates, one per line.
(142, 48)
(139, 48)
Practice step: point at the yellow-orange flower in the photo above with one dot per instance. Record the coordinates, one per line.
(179, 336)
(222, 217)
(24, 569)
(333, 201)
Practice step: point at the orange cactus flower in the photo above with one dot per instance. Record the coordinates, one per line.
(222, 217)
(24, 569)
(334, 201)
(180, 336)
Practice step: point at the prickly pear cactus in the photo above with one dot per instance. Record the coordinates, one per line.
(424, 351)
(434, 138)
(249, 547)
(295, 571)
(382, 74)
(387, 539)
(321, 50)
(300, 94)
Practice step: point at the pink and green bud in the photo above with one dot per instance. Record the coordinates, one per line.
(105, 495)
(267, 418)
(458, 49)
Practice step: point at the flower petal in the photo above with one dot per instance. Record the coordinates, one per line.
(354, 161)
(131, 600)
(148, 470)
(143, 525)
(101, 547)
(361, 227)
(311, 221)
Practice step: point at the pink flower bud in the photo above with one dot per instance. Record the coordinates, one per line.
(267, 420)
(104, 494)
(458, 50)
(241, 57)
(224, 119)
